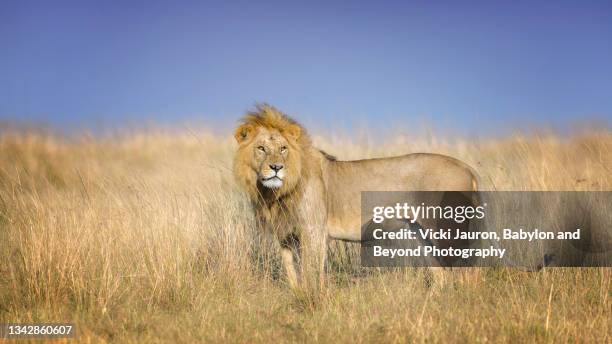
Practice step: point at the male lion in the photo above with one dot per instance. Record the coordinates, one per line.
(303, 196)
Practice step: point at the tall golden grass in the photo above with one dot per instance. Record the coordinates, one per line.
(146, 238)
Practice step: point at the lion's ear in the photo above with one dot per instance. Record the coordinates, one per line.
(293, 131)
(244, 133)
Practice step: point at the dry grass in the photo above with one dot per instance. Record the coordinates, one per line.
(146, 238)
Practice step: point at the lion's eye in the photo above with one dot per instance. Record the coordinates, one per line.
(261, 148)
(283, 149)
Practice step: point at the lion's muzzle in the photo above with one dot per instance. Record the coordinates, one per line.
(273, 177)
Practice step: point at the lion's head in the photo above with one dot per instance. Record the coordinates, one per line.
(271, 149)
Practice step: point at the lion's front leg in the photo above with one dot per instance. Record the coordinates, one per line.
(313, 256)
(313, 236)
(290, 251)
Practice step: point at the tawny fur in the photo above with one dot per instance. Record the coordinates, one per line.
(320, 196)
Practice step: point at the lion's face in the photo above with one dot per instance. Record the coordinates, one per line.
(268, 158)
(270, 151)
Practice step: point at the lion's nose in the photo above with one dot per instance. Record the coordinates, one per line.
(276, 167)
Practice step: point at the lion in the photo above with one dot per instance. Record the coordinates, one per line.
(304, 196)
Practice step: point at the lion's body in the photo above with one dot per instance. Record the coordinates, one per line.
(345, 180)
(316, 197)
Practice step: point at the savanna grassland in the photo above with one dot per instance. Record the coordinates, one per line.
(145, 237)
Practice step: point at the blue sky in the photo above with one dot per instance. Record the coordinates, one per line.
(464, 64)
